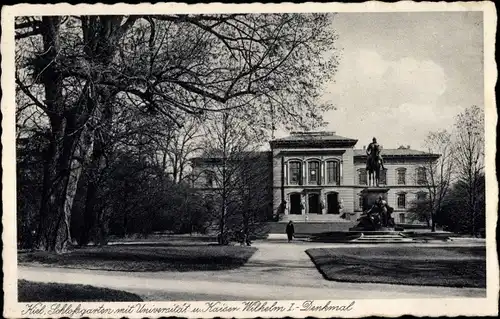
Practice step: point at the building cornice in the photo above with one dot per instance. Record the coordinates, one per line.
(306, 152)
(401, 156)
(313, 143)
(325, 186)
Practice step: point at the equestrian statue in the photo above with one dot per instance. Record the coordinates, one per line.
(374, 163)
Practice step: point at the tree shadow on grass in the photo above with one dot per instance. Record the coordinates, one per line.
(29, 291)
(429, 267)
(151, 259)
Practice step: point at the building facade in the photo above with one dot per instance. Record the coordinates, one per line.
(319, 177)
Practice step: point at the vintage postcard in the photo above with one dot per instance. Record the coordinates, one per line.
(249, 160)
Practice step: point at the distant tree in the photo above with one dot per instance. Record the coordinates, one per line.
(133, 199)
(469, 160)
(184, 144)
(253, 188)
(240, 176)
(438, 174)
(455, 214)
(133, 136)
(421, 210)
(29, 166)
(193, 215)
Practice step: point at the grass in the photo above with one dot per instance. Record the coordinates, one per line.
(427, 266)
(145, 258)
(29, 291)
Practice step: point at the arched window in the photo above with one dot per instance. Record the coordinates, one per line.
(314, 175)
(209, 178)
(333, 172)
(401, 172)
(295, 168)
(421, 176)
(401, 200)
(362, 176)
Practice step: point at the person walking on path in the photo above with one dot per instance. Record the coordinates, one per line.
(290, 230)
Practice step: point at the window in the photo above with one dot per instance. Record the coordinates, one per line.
(362, 176)
(314, 173)
(401, 176)
(210, 176)
(295, 173)
(421, 176)
(333, 172)
(360, 202)
(402, 200)
(421, 196)
(383, 176)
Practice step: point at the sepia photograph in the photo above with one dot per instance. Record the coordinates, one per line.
(260, 161)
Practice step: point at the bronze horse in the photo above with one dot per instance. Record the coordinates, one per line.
(373, 167)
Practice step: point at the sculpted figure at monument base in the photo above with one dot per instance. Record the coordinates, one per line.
(377, 216)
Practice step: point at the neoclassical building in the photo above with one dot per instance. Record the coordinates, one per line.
(319, 177)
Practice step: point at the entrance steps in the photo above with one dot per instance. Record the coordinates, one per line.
(382, 238)
(310, 228)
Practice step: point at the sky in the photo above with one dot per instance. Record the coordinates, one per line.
(403, 75)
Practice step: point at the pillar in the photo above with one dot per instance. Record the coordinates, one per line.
(341, 172)
(303, 203)
(323, 173)
(304, 172)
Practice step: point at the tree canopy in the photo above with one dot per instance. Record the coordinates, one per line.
(93, 86)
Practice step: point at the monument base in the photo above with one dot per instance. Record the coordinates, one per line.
(374, 220)
(371, 195)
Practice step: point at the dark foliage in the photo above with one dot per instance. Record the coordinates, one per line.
(29, 291)
(456, 216)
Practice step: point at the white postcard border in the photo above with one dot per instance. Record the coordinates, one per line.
(396, 307)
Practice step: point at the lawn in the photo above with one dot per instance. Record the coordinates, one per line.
(428, 266)
(145, 258)
(29, 291)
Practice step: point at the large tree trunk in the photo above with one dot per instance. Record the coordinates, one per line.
(61, 175)
(53, 235)
(101, 50)
(71, 125)
(96, 167)
(52, 194)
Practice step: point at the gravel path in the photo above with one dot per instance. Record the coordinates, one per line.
(276, 271)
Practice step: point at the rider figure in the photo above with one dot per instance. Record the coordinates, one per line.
(374, 147)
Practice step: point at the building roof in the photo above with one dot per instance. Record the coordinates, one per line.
(313, 138)
(217, 156)
(306, 136)
(396, 152)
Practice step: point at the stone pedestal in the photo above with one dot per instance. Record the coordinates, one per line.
(370, 196)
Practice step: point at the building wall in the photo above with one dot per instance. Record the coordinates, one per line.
(348, 190)
(281, 175)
